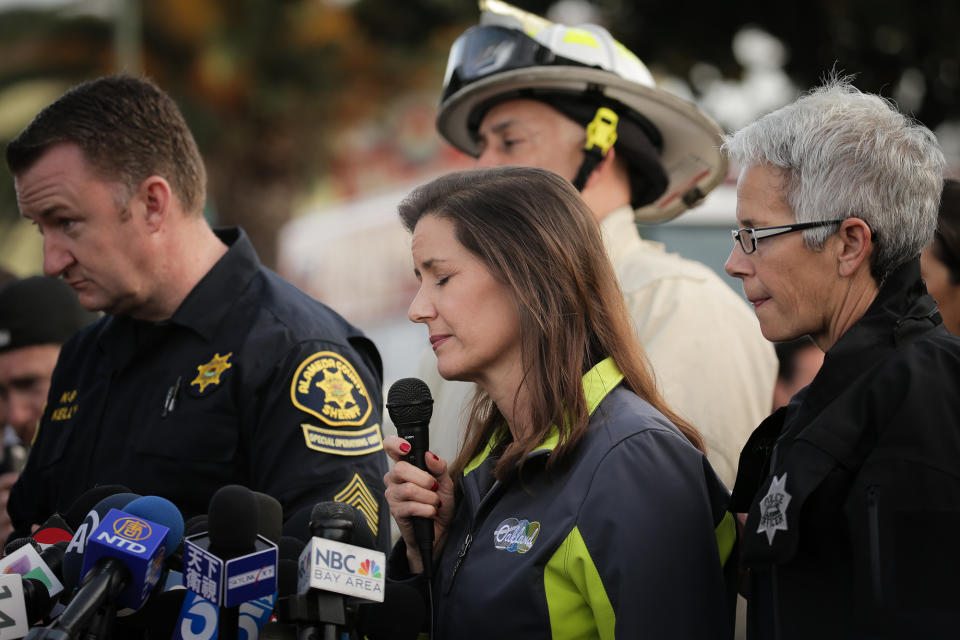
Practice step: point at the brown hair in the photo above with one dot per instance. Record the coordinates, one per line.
(537, 237)
(128, 130)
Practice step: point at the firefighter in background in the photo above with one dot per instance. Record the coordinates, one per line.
(520, 90)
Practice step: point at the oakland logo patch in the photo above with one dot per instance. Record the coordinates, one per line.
(328, 387)
(515, 536)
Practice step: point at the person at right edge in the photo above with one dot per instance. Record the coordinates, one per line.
(510, 98)
(852, 491)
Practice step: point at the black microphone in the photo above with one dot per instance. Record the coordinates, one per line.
(73, 558)
(121, 564)
(245, 565)
(270, 516)
(26, 557)
(77, 512)
(410, 406)
(232, 524)
(339, 567)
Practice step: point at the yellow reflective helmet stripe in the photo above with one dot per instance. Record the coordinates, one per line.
(580, 36)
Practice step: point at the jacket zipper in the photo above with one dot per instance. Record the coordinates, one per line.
(873, 543)
(461, 554)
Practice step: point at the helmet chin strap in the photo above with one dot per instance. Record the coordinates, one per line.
(601, 136)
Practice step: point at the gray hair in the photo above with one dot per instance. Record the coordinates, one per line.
(843, 154)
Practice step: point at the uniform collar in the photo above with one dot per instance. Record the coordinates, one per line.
(598, 382)
(208, 303)
(619, 232)
(203, 310)
(813, 439)
(901, 312)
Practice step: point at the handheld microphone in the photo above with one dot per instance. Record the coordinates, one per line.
(78, 511)
(73, 556)
(333, 565)
(410, 406)
(121, 564)
(230, 565)
(54, 530)
(30, 561)
(270, 516)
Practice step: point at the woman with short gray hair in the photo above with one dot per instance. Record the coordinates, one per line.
(851, 494)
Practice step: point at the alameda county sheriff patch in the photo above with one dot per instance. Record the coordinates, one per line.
(328, 387)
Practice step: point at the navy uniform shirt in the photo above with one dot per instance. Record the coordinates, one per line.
(251, 382)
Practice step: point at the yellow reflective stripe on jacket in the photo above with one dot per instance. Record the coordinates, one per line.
(726, 533)
(576, 600)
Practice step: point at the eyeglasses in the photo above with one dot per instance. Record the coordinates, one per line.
(748, 237)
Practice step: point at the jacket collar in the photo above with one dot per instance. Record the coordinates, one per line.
(901, 312)
(809, 447)
(208, 304)
(598, 382)
(203, 310)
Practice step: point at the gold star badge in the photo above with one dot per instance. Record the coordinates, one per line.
(337, 389)
(209, 373)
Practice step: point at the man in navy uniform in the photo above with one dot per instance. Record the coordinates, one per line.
(208, 369)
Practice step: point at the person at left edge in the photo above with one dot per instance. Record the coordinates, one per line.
(208, 368)
(37, 315)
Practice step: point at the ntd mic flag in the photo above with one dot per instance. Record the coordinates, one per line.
(138, 543)
(341, 568)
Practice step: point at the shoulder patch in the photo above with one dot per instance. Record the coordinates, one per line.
(343, 442)
(327, 386)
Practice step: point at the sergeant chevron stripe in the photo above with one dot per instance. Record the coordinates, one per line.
(356, 494)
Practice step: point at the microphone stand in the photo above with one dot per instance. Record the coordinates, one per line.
(97, 597)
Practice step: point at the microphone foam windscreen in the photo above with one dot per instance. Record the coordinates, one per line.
(13, 545)
(232, 521)
(289, 548)
(409, 401)
(37, 600)
(53, 556)
(361, 536)
(269, 516)
(196, 524)
(161, 511)
(53, 530)
(87, 500)
(286, 577)
(73, 558)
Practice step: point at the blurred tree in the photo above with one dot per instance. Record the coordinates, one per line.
(265, 83)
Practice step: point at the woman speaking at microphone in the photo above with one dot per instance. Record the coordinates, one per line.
(580, 505)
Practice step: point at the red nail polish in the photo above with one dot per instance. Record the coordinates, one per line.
(439, 504)
(404, 447)
(435, 456)
(436, 485)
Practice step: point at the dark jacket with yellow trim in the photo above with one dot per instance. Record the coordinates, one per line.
(860, 535)
(211, 397)
(622, 542)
